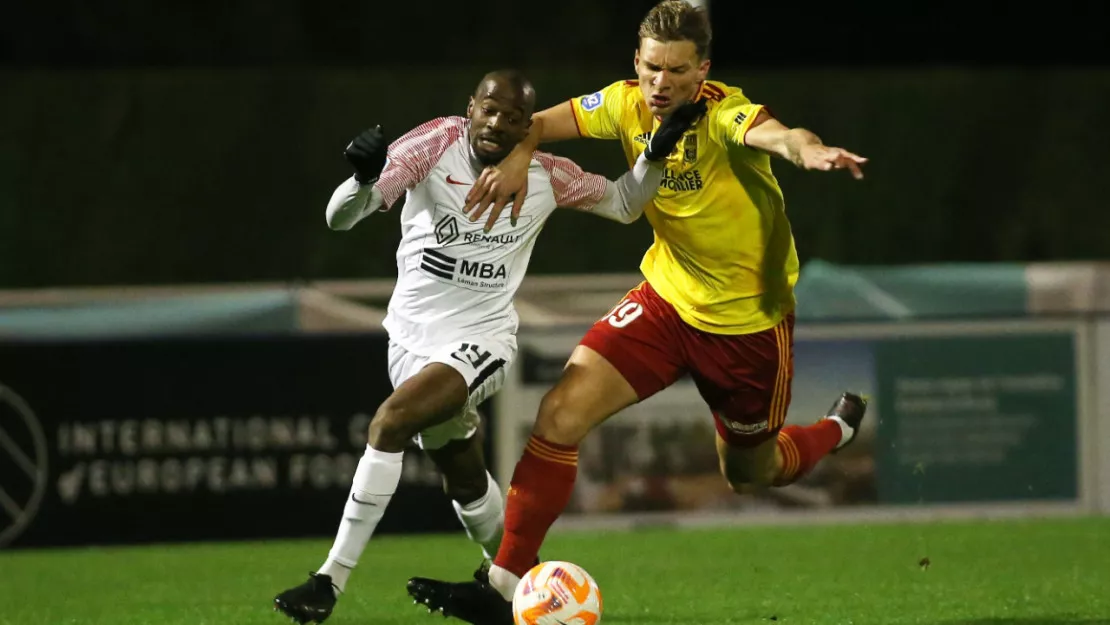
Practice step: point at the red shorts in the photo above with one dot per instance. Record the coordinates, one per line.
(745, 379)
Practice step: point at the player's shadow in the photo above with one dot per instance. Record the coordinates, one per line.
(1030, 620)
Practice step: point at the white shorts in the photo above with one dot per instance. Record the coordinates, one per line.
(484, 364)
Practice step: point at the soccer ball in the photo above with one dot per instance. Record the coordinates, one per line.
(555, 593)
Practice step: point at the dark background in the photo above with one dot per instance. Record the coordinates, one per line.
(173, 142)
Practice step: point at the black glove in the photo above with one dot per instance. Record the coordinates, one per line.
(676, 124)
(366, 153)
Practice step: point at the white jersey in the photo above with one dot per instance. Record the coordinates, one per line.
(455, 281)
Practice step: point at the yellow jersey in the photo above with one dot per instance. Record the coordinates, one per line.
(723, 253)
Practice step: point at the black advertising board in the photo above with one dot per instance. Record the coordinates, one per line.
(184, 439)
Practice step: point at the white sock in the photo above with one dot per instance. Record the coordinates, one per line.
(845, 430)
(504, 581)
(376, 479)
(484, 519)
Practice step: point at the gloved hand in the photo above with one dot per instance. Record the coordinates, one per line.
(675, 125)
(366, 153)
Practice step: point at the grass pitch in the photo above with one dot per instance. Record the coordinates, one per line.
(1048, 572)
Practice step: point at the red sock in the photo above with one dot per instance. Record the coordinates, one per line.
(803, 447)
(540, 490)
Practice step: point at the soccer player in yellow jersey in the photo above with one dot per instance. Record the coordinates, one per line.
(717, 302)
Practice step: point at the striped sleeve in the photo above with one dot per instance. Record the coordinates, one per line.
(414, 154)
(573, 187)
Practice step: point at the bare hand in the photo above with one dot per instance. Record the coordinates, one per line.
(827, 158)
(494, 188)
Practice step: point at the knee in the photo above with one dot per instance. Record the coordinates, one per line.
(764, 475)
(747, 484)
(559, 421)
(746, 473)
(391, 429)
(743, 488)
(737, 477)
(465, 488)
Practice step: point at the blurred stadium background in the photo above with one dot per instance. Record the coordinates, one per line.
(189, 358)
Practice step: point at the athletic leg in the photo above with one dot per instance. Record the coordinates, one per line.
(794, 451)
(431, 397)
(748, 387)
(427, 394)
(590, 391)
(456, 445)
(474, 493)
(626, 357)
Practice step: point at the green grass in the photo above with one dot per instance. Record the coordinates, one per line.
(987, 573)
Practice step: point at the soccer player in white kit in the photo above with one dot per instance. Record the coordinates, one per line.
(451, 320)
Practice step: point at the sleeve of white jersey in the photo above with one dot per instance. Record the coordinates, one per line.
(408, 161)
(352, 202)
(622, 200)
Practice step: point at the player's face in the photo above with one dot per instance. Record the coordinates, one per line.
(499, 119)
(670, 73)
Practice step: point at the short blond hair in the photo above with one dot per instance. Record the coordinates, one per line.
(678, 20)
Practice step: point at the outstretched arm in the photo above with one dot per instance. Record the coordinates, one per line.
(799, 146)
(624, 199)
(383, 173)
(551, 124)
